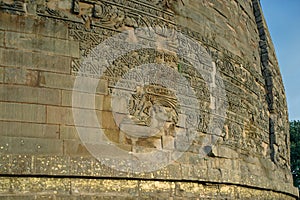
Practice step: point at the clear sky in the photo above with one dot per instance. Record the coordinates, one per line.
(283, 19)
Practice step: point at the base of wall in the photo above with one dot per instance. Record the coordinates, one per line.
(87, 188)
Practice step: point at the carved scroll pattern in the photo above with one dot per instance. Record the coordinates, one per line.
(145, 98)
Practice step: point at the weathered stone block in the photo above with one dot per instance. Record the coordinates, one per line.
(2, 34)
(4, 164)
(21, 76)
(100, 169)
(15, 58)
(224, 152)
(75, 148)
(107, 120)
(68, 132)
(4, 185)
(161, 187)
(120, 104)
(29, 24)
(56, 165)
(85, 100)
(15, 93)
(35, 60)
(31, 146)
(168, 142)
(66, 82)
(1, 74)
(52, 63)
(33, 185)
(59, 115)
(59, 81)
(107, 103)
(44, 44)
(102, 87)
(22, 112)
(112, 135)
(21, 164)
(199, 171)
(84, 117)
(32, 130)
(127, 189)
(81, 166)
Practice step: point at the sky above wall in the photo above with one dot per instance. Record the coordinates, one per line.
(283, 19)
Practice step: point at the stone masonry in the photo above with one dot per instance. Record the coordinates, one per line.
(43, 156)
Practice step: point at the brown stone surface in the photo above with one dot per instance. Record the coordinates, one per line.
(42, 155)
(68, 188)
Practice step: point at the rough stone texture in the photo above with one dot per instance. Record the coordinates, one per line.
(41, 154)
(66, 188)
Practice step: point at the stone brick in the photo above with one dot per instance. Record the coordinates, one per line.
(14, 75)
(56, 165)
(75, 148)
(23, 145)
(146, 187)
(51, 63)
(22, 112)
(100, 169)
(168, 142)
(107, 101)
(30, 24)
(22, 76)
(85, 118)
(2, 74)
(41, 46)
(4, 185)
(125, 189)
(112, 135)
(44, 44)
(32, 78)
(35, 60)
(4, 164)
(25, 187)
(224, 152)
(66, 82)
(54, 80)
(120, 104)
(81, 166)
(2, 38)
(15, 58)
(15, 129)
(21, 164)
(68, 132)
(59, 115)
(102, 87)
(85, 100)
(15, 93)
(107, 120)
(71, 137)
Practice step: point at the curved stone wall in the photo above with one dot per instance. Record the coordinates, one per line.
(47, 151)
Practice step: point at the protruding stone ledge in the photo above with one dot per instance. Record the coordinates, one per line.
(87, 188)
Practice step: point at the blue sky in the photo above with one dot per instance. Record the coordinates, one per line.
(283, 19)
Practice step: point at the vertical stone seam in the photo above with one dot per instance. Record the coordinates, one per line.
(267, 73)
(4, 39)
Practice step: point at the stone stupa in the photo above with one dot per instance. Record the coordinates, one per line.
(141, 99)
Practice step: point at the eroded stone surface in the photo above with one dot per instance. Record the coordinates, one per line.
(42, 45)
